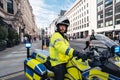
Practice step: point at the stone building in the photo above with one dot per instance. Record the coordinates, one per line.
(18, 15)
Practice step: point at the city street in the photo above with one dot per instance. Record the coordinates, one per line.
(30, 21)
(12, 59)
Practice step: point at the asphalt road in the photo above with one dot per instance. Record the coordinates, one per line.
(11, 60)
(77, 45)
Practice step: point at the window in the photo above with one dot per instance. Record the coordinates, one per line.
(98, 1)
(87, 11)
(106, 23)
(84, 25)
(78, 22)
(10, 6)
(100, 16)
(87, 4)
(108, 13)
(84, 19)
(108, 2)
(117, 9)
(84, 12)
(109, 23)
(1, 4)
(87, 24)
(84, 6)
(87, 18)
(117, 1)
(100, 25)
(100, 8)
(117, 21)
(80, 27)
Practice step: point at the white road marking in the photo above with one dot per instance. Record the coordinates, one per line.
(12, 75)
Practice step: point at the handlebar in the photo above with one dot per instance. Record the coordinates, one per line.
(95, 54)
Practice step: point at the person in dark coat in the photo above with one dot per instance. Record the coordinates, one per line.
(47, 41)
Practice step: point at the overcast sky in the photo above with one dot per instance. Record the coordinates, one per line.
(46, 11)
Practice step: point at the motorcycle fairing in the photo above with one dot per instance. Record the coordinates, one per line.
(40, 55)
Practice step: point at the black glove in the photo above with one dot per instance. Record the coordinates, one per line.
(80, 55)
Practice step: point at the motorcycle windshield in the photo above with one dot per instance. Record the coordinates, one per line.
(105, 40)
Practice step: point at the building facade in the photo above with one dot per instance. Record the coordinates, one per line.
(51, 28)
(108, 17)
(82, 16)
(17, 14)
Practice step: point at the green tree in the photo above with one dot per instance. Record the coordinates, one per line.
(3, 37)
(12, 34)
(3, 33)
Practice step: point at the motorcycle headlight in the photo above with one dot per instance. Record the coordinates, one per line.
(117, 50)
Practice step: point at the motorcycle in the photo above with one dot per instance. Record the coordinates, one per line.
(107, 56)
(38, 67)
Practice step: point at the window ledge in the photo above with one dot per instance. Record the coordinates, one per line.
(117, 13)
(6, 12)
(108, 16)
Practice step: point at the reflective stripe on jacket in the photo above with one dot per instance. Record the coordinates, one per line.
(60, 51)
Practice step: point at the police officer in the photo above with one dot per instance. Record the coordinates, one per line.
(60, 50)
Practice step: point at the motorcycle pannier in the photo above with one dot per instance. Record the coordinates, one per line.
(34, 70)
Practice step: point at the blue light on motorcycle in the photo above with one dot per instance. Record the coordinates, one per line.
(117, 49)
(28, 45)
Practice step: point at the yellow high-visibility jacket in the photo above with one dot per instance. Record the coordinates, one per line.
(60, 51)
